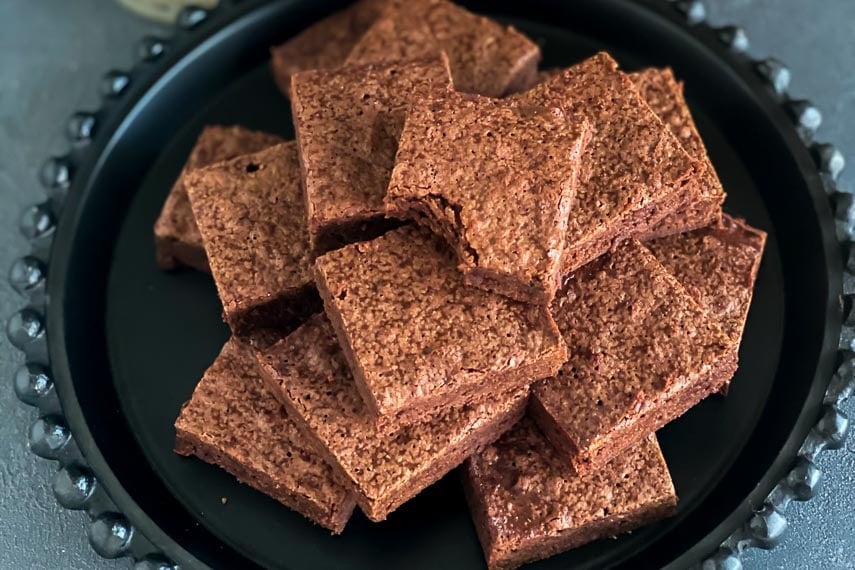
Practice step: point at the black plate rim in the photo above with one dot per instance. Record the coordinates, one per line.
(819, 163)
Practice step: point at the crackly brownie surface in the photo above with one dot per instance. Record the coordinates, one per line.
(664, 94)
(718, 266)
(485, 57)
(528, 504)
(233, 420)
(642, 352)
(309, 373)
(497, 181)
(348, 122)
(252, 217)
(177, 237)
(417, 338)
(639, 172)
(325, 44)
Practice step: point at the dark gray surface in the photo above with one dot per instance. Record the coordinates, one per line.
(52, 53)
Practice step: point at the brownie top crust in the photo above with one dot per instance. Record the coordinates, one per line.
(415, 332)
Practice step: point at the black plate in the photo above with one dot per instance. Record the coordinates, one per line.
(127, 342)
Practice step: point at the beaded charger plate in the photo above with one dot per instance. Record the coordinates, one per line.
(114, 346)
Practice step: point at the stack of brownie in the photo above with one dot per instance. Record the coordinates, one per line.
(460, 261)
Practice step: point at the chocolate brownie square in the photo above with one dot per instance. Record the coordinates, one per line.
(252, 217)
(642, 353)
(309, 374)
(528, 504)
(497, 181)
(485, 57)
(348, 122)
(233, 421)
(325, 44)
(639, 172)
(176, 236)
(664, 94)
(418, 339)
(718, 267)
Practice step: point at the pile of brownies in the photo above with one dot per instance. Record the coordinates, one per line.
(461, 260)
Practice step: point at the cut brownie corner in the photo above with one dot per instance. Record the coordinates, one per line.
(177, 242)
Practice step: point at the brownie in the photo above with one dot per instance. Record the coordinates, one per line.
(252, 217)
(348, 122)
(486, 57)
(310, 375)
(717, 265)
(233, 421)
(176, 236)
(325, 44)
(497, 181)
(638, 171)
(418, 339)
(528, 504)
(642, 353)
(664, 94)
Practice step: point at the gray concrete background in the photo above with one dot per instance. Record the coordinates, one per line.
(52, 53)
